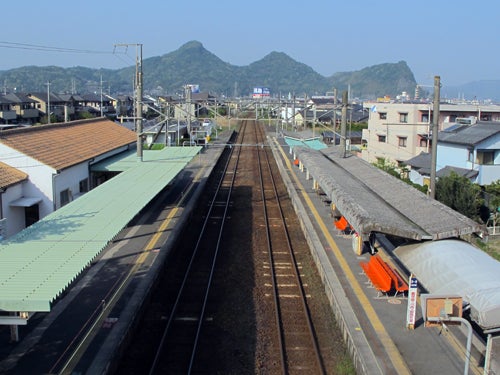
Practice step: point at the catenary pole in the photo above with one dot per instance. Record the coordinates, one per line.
(138, 100)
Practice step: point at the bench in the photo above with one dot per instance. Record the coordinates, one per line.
(343, 225)
(398, 284)
(377, 275)
(383, 277)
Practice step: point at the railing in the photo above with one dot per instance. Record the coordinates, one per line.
(494, 231)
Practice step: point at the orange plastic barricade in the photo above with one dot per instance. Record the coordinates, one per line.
(296, 162)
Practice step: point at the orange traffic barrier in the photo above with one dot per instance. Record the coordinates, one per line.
(296, 162)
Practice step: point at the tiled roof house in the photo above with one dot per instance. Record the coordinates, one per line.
(56, 159)
(11, 180)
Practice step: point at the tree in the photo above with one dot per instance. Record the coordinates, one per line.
(460, 194)
(491, 209)
(493, 191)
(400, 173)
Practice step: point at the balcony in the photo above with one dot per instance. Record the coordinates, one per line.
(488, 173)
(8, 115)
(29, 113)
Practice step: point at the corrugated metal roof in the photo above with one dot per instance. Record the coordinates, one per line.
(314, 143)
(128, 159)
(38, 263)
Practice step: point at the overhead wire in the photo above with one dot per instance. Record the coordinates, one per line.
(37, 47)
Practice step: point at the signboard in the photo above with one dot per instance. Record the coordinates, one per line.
(261, 92)
(442, 307)
(412, 302)
(194, 88)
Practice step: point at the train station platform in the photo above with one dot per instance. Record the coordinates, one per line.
(38, 263)
(112, 280)
(373, 323)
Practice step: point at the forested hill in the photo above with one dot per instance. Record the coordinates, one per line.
(193, 64)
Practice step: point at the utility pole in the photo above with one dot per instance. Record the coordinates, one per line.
(435, 130)
(138, 100)
(334, 109)
(343, 124)
(48, 102)
(101, 97)
(138, 95)
(187, 93)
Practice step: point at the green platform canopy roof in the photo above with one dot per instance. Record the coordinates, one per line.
(314, 143)
(38, 263)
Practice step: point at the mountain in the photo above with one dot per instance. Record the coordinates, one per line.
(377, 80)
(481, 90)
(193, 64)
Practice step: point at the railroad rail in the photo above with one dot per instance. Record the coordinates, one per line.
(234, 323)
(298, 347)
(177, 349)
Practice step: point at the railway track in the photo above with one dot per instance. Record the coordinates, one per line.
(298, 349)
(232, 298)
(177, 349)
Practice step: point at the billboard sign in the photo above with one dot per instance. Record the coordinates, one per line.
(261, 92)
(194, 88)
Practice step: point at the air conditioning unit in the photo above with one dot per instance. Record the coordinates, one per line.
(466, 120)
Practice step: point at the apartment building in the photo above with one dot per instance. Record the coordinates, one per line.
(400, 131)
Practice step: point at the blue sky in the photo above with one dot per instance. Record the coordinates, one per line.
(457, 40)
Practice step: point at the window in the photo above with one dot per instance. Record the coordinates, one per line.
(402, 141)
(84, 185)
(485, 157)
(65, 196)
(425, 117)
(381, 138)
(422, 142)
(382, 115)
(403, 117)
(470, 156)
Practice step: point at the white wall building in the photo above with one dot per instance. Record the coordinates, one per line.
(399, 131)
(57, 160)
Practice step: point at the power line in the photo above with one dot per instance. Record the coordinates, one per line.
(35, 47)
